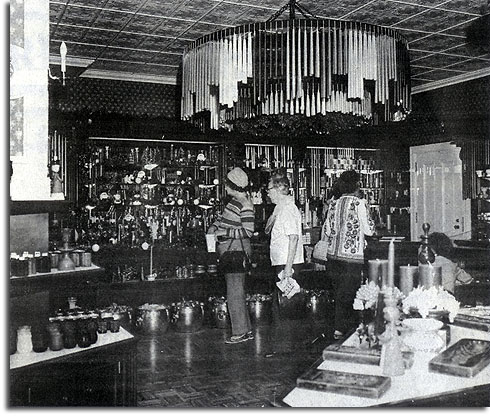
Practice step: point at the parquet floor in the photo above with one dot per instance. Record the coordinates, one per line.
(200, 370)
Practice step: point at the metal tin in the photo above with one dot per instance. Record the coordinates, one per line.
(55, 259)
(86, 259)
(76, 257)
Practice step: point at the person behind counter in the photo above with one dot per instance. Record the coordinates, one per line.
(452, 274)
(284, 227)
(233, 231)
(347, 222)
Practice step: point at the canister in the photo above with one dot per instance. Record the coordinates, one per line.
(55, 259)
(37, 258)
(23, 267)
(14, 264)
(31, 264)
(76, 257)
(86, 259)
(45, 263)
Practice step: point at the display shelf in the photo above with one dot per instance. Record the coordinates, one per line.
(481, 228)
(136, 191)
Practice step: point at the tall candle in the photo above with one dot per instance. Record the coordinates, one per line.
(391, 264)
(384, 272)
(374, 270)
(151, 259)
(408, 275)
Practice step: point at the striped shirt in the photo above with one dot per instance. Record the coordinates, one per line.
(237, 219)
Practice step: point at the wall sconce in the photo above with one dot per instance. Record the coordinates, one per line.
(63, 52)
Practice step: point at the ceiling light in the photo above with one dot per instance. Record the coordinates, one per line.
(306, 66)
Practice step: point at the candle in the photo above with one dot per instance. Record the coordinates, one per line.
(384, 272)
(374, 270)
(430, 276)
(151, 259)
(408, 275)
(391, 264)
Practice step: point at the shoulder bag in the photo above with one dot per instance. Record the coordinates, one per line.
(233, 262)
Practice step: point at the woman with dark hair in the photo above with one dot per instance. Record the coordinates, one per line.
(452, 274)
(233, 231)
(347, 222)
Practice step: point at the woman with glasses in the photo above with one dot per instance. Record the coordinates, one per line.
(347, 222)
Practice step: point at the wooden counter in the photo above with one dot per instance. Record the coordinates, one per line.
(104, 374)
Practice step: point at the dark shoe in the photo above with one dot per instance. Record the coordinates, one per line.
(250, 335)
(238, 339)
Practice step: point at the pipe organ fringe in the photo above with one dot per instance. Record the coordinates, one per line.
(302, 66)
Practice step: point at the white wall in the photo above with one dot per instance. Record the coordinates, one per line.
(29, 58)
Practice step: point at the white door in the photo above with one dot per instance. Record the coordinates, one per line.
(436, 183)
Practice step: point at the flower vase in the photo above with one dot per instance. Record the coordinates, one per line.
(423, 335)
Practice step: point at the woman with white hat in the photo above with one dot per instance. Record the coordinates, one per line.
(233, 231)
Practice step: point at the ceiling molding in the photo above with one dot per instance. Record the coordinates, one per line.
(71, 61)
(129, 76)
(450, 81)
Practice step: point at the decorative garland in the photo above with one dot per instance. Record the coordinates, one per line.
(297, 125)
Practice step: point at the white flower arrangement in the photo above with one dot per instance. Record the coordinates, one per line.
(366, 296)
(434, 298)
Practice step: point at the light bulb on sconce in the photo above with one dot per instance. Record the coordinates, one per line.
(63, 52)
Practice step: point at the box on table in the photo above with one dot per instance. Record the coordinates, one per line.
(466, 358)
(347, 383)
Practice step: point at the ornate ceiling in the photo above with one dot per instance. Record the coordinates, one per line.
(144, 39)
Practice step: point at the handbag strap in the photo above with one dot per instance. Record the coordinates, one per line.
(244, 251)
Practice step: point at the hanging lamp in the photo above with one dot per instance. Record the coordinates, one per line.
(306, 66)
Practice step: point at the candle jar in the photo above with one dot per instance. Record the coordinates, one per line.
(69, 330)
(24, 339)
(31, 264)
(55, 336)
(23, 267)
(45, 264)
(14, 264)
(92, 328)
(83, 336)
(101, 325)
(37, 258)
(114, 325)
(39, 339)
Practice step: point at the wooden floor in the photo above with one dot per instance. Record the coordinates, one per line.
(200, 370)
